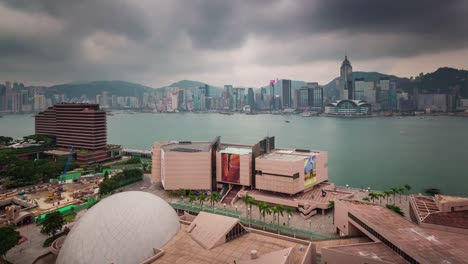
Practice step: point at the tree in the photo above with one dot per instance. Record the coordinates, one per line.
(366, 198)
(214, 198)
(9, 238)
(52, 223)
(249, 201)
(289, 213)
(386, 195)
(181, 192)
(331, 204)
(192, 197)
(277, 210)
(373, 196)
(202, 199)
(394, 191)
(106, 175)
(400, 191)
(408, 188)
(264, 209)
(395, 209)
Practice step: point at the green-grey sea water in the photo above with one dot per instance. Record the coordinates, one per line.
(366, 152)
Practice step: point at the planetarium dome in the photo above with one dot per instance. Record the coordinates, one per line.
(122, 228)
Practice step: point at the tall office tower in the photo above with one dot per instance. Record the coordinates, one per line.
(3, 102)
(227, 94)
(365, 90)
(105, 100)
(16, 102)
(315, 98)
(251, 98)
(181, 99)
(346, 80)
(303, 98)
(287, 93)
(272, 94)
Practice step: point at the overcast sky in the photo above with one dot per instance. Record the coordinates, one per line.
(239, 42)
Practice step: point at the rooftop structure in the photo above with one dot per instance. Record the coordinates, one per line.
(122, 228)
(447, 213)
(219, 239)
(413, 243)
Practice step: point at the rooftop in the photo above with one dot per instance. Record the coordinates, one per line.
(427, 211)
(289, 154)
(235, 149)
(183, 249)
(373, 250)
(424, 245)
(188, 146)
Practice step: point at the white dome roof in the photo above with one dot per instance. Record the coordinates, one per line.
(122, 228)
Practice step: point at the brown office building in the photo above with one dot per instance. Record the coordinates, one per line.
(83, 126)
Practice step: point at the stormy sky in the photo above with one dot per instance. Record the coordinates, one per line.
(240, 42)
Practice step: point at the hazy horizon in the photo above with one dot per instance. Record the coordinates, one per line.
(245, 43)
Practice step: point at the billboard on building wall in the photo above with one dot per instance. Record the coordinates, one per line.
(230, 168)
(310, 171)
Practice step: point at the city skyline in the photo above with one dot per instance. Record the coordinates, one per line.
(156, 43)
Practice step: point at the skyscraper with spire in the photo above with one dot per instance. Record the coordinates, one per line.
(346, 80)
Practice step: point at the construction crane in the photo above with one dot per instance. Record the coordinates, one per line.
(67, 164)
(69, 159)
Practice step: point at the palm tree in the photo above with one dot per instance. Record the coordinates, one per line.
(387, 195)
(394, 191)
(408, 188)
(331, 204)
(214, 198)
(380, 196)
(366, 198)
(192, 197)
(278, 210)
(249, 201)
(400, 191)
(289, 213)
(372, 196)
(202, 199)
(264, 208)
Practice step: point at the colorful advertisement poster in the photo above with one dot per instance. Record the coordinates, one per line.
(310, 172)
(230, 168)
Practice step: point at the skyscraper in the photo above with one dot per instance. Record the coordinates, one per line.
(286, 87)
(346, 80)
(251, 99)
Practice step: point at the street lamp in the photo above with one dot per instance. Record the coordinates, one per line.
(347, 186)
(224, 205)
(289, 218)
(368, 189)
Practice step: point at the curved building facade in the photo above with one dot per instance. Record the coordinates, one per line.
(348, 108)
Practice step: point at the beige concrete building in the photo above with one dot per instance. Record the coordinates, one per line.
(290, 171)
(183, 165)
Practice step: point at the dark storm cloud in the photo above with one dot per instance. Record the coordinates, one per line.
(86, 16)
(146, 39)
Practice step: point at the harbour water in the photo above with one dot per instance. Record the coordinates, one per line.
(379, 152)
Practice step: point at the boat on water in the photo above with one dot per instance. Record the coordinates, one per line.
(226, 113)
(287, 121)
